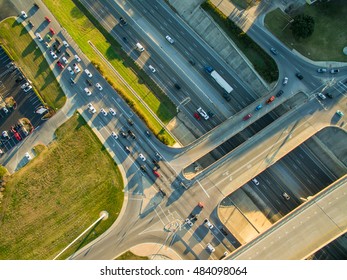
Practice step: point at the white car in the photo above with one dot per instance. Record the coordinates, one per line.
(38, 36)
(189, 222)
(102, 110)
(203, 113)
(87, 91)
(53, 54)
(65, 44)
(255, 181)
(25, 85)
(112, 111)
(65, 60)
(170, 40)
(76, 68)
(23, 14)
(27, 156)
(77, 58)
(99, 86)
(91, 108)
(70, 70)
(210, 248)
(321, 95)
(208, 223)
(142, 157)
(27, 88)
(285, 80)
(114, 135)
(47, 45)
(152, 68)
(88, 73)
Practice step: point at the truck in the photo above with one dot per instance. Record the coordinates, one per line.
(223, 84)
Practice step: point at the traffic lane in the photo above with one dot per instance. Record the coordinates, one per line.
(175, 26)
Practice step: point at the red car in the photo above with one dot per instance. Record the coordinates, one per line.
(197, 116)
(247, 117)
(48, 19)
(61, 66)
(156, 173)
(16, 134)
(272, 98)
(52, 31)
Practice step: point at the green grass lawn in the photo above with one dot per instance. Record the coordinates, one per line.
(61, 192)
(82, 30)
(23, 49)
(328, 38)
(130, 256)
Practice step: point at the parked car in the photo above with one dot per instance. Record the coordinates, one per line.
(77, 58)
(152, 68)
(274, 51)
(334, 71)
(114, 135)
(65, 44)
(102, 110)
(23, 14)
(76, 68)
(112, 111)
(27, 88)
(53, 54)
(196, 115)
(208, 223)
(91, 108)
(321, 95)
(255, 181)
(142, 157)
(51, 30)
(329, 95)
(340, 113)
(122, 21)
(27, 156)
(285, 81)
(38, 36)
(203, 113)
(87, 91)
(286, 196)
(61, 66)
(99, 86)
(66, 61)
(47, 19)
(70, 70)
(88, 73)
(299, 76)
(156, 173)
(188, 222)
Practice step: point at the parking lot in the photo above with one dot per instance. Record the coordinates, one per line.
(17, 101)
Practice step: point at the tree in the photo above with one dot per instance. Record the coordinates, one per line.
(303, 26)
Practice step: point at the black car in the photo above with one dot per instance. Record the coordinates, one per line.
(30, 23)
(122, 21)
(279, 93)
(143, 168)
(130, 121)
(210, 114)
(126, 148)
(131, 134)
(57, 41)
(191, 61)
(19, 78)
(156, 164)
(148, 133)
(67, 54)
(299, 76)
(177, 86)
(89, 82)
(329, 95)
(123, 133)
(223, 231)
(37, 6)
(162, 192)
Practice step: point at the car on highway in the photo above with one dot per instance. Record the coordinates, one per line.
(286, 196)
(53, 54)
(274, 51)
(156, 173)
(27, 156)
(76, 68)
(142, 157)
(88, 73)
(66, 61)
(126, 148)
(152, 68)
(52, 31)
(210, 248)
(122, 21)
(112, 111)
(208, 223)
(87, 91)
(70, 70)
(255, 181)
(23, 14)
(203, 113)
(99, 86)
(91, 108)
(279, 93)
(299, 76)
(188, 222)
(27, 88)
(38, 36)
(61, 66)
(247, 117)
(47, 19)
(340, 113)
(322, 70)
(102, 110)
(272, 98)
(334, 71)
(65, 44)
(321, 95)
(77, 58)
(114, 135)
(169, 39)
(285, 81)
(258, 107)
(196, 115)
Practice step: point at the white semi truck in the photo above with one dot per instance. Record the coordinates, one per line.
(218, 78)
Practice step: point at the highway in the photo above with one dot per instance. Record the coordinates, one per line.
(147, 213)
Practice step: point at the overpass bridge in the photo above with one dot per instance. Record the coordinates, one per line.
(304, 231)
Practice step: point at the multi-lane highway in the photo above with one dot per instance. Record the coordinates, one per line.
(149, 215)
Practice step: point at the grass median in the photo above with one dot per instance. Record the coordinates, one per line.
(83, 27)
(61, 192)
(328, 38)
(23, 49)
